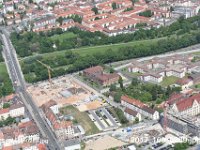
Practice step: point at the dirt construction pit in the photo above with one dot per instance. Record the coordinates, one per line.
(65, 91)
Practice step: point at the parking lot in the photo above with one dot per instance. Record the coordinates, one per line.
(103, 119)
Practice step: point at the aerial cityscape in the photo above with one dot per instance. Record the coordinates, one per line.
(100, 75)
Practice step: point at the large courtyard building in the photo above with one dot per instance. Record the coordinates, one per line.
(156, 69)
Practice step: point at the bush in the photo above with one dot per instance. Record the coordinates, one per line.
(121, 116)
(6, 105)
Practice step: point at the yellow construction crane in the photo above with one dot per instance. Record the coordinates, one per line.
(48, 68)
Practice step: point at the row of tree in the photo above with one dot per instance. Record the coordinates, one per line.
(5, 86)
(1, 57)
(29, 43)
(75, 62)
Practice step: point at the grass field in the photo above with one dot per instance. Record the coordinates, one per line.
(3, 71)
(82, 119)
(197, 86)
(64, 36)
(168, 81)
(97, 49)
(5, 82)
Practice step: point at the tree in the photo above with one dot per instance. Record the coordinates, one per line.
(181, 146)
(154, 94)
(76, 18)
(114, 5)
(121, 116)
(147, 13)
(136, 120)
(171, 9)
(96, 18)
(112, 70)
(14, 5)
(135, 81)
(120, 81)
(117, 97)
(169, 91)
(6, 105)
(128, 9)
(113, 87)
(95, 10)
(134, 1)
(60, 20)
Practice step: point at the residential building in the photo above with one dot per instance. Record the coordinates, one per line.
(187, 106)
(182, 114)
(184, 83)
(139, 107)
(195, 77)
(47, 22)
(16, 109)
(72, 144)
(155, 69)
(131, 115)
(96, 74)
(62, 128)
(15, 135)
(155, 78)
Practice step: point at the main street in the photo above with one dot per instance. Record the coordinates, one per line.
(18, 81)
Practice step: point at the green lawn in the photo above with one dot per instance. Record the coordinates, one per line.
(3, 71)
(82, 119)
(64, 36)
(6, 87)
(197, 86)
(97, 49)
(169, 81)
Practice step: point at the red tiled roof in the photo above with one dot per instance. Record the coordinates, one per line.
(25, 124)
(183, 81)
(105, 77)
(131, 112)
(137, 103)
(174, 97)
(9, 97)
(94, 69)
(187, 102)
(3, 111)
(8, 148)
(62, 125)
(41, 147)
(132, 101)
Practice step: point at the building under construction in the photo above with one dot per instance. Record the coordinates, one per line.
(187, 125)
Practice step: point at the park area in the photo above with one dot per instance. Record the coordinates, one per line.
(5, 82)
(89, 50)
(64, 36)
(82, 118)
(167, 81)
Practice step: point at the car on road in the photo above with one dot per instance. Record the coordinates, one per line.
(168, 147)
(155, 146)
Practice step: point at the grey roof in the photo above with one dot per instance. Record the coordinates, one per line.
(71, 142)
(66, 93)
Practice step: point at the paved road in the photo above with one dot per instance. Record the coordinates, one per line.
(18, 81)
(92, 112)
(111, 102)
(191, 49)
(109, 116)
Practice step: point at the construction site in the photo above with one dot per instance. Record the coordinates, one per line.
(184, 124)
(65, 91)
